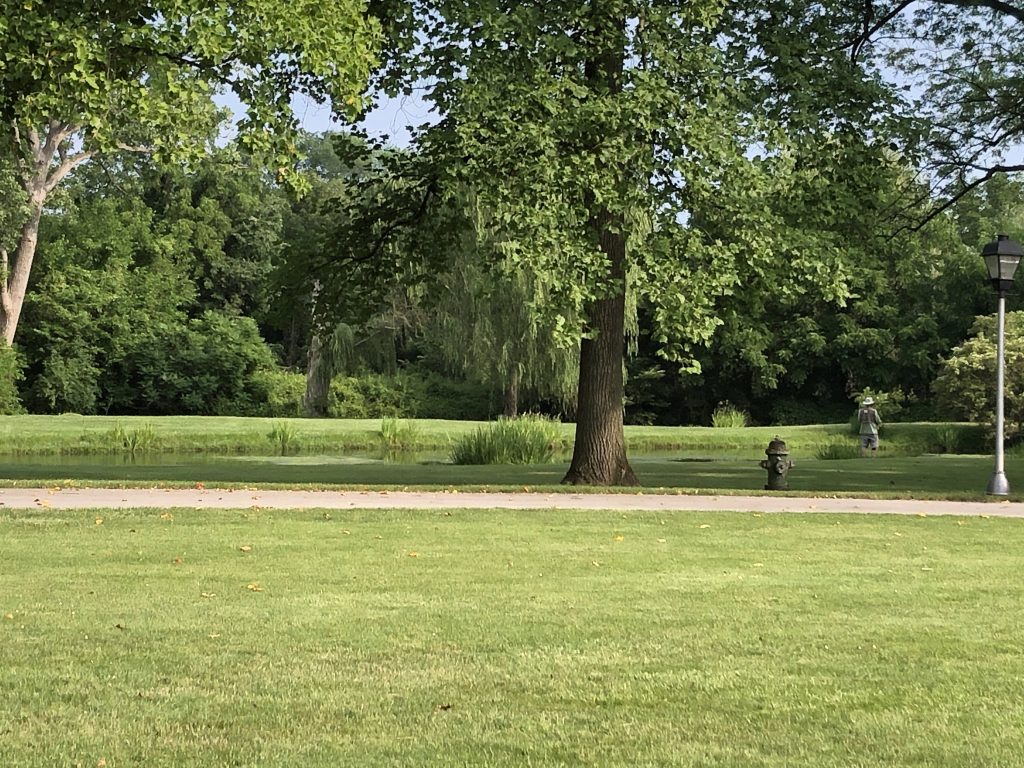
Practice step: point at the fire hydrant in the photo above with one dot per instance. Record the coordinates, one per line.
(777, 464)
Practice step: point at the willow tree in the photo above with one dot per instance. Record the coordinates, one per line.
(84, 77)
(486, 323)
(577, 120)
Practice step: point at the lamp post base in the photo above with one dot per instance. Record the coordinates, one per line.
(998, 485)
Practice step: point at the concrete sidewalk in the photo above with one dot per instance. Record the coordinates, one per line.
(127, 498)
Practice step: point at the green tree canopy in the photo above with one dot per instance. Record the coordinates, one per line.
(629, 137)
(79, 78)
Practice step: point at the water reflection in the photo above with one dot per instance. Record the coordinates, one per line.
(149, 459)
(155, 459)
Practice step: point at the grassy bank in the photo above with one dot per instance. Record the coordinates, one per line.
(191, 637)
(948, 477)
(83, 435)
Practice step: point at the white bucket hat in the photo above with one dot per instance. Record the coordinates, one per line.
(869, 401)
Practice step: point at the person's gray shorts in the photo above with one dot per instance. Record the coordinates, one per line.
(869, 441)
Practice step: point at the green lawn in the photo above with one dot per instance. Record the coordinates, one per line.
(185, 450)
(957, 477)
(74, 434)
(490, 638)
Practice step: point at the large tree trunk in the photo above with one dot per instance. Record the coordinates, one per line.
(510, 405)
(599, 454)
(318, 380)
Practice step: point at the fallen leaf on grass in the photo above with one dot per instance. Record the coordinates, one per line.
(619, 538)
(214, 634)
(705, 526)
(99, 521)
(414, 554)
(254, 587)
(178, 560)
(207, 594)
(245, 548)
(662, 541)
(167, 516)
(9, 616)
(200, 486)
(595, 563)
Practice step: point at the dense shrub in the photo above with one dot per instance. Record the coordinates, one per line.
(278, 393)
(10, 375)
(68, 381)
(789, 411)
(406, 395)
(444, 398)
(371, 396)
(965, 386)
(205, 367)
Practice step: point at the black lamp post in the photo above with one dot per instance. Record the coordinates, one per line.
(1001, 256)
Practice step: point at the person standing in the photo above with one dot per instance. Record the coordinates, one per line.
(869, 421)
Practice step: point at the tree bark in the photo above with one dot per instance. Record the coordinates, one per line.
(15, 284)
(599, 453)
(318, 380)
(510, 406)
(39, 175)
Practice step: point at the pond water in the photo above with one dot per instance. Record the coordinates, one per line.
(155, 459)
(176, 459)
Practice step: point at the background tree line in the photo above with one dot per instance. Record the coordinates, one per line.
(625, 208)
(164, 291)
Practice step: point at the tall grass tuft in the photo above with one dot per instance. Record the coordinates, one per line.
(727, 416)
(948, 438)
(136, 441)
(397, 435)
(522, 440)
(837, 449)
(285, 438)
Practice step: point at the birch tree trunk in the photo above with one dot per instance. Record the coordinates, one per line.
(45, 162)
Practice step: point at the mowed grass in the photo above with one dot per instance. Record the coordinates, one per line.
(493, 638)
(954, 477)
(72, 434)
